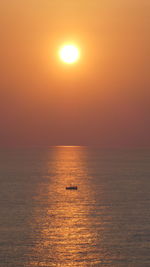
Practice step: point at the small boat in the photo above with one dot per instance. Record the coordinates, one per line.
(71, 188)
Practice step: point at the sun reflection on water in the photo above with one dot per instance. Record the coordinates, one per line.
(66, 234)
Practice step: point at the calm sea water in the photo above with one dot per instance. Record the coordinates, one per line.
(106, 222)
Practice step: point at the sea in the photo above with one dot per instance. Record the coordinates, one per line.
(105, 222)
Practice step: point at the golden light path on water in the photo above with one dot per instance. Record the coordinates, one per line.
(66, 235)
(104, 223)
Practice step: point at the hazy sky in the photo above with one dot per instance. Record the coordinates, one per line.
(102, 100)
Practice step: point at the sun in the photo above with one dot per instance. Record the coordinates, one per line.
(69, 54)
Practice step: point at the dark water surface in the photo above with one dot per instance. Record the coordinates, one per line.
(106, 222)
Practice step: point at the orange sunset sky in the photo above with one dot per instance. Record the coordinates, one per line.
(103, 99)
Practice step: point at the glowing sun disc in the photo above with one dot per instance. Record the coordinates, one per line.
(69, 54)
